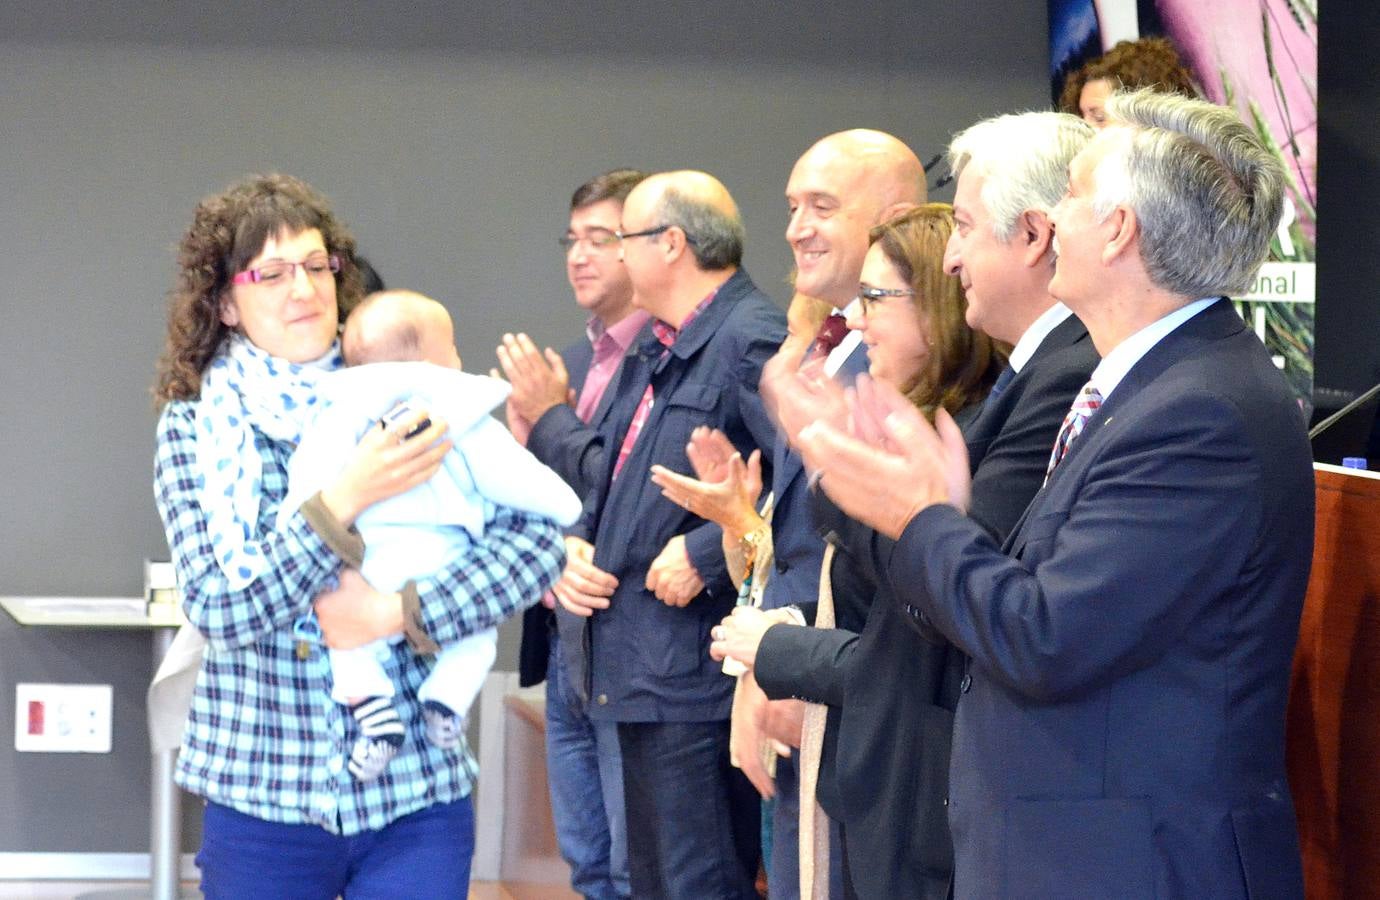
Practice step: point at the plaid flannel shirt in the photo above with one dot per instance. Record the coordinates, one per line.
(264, 736)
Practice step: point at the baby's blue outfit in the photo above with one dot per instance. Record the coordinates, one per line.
(413, 534)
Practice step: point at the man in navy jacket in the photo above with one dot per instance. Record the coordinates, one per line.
(583, 764)
(886, 748)
(692, 819)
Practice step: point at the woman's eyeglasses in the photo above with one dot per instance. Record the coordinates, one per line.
(280, 272)
(869, 297)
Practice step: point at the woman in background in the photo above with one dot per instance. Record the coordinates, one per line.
(1149, 63)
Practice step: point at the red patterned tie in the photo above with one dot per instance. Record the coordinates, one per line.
(831, 333)
(1087, 402)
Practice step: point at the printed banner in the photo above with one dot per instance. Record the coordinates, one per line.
(1257, 56)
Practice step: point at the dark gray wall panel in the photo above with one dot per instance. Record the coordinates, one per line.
(450, 139)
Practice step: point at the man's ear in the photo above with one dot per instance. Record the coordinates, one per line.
(1036, 235)
(676, 243)
(1124, 232)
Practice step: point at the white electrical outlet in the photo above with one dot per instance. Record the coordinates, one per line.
(62, 718)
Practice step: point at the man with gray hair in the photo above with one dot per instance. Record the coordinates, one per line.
(692, 819)
(1011, 171)
(1120, 726)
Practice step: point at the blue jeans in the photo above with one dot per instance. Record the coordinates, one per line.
(585, 772)
(783, 866)
(423, 855)
(694, 828)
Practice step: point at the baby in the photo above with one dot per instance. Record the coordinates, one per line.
(400, 347)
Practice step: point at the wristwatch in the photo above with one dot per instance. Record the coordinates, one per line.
(751, 542)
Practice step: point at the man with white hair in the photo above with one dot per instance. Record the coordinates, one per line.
(1120, 726)
(1011, 172)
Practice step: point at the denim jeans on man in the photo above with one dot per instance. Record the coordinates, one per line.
(585, 771)
(695, 826)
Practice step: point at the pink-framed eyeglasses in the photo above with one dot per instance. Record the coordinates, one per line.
(281, 272)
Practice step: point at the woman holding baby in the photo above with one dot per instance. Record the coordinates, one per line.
(266, 275)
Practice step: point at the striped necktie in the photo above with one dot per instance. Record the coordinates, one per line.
(1087, 402)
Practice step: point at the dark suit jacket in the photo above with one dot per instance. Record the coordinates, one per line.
(570, 447)
(797, 550)
(1121, 727)
(575, 449)
(650, 661)
(1011, 435)
(884, 772)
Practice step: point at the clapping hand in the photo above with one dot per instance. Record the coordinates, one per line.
(890, 462)
(725, 490)
(538, 377)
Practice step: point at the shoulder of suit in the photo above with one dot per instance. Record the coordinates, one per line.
(755, 315)
(1062, 370)
(577, 349)
(759, 302)
(1067, 346)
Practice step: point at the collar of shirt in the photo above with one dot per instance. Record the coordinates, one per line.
(1035, 335)
(667, 335)
(835, 360)
(1125, 355)
(621, 333)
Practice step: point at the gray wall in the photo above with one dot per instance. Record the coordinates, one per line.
(450, 140)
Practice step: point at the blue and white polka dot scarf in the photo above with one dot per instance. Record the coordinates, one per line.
(242, 389)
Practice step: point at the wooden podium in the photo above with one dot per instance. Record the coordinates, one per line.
(1333, 727)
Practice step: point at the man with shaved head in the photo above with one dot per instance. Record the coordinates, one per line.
(658, 580)
(841, 187)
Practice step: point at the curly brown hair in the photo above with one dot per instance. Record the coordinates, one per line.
(228, 230)
(963, 363)
(1146, 63)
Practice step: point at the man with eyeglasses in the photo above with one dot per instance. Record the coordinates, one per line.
(693, 820)
(584, 766)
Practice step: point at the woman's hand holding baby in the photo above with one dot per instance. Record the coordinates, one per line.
(386, 463)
